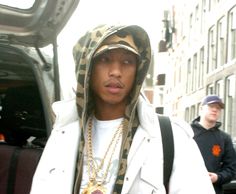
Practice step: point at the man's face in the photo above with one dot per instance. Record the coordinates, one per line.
(113, 75)
(211, 112)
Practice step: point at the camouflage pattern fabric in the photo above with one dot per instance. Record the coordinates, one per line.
(83, 53)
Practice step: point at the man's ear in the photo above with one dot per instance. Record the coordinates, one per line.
(200, 109)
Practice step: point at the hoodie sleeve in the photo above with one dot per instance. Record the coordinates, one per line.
(228, 170)
(189, 174)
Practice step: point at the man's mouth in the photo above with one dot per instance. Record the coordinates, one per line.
(114, 86)
(114, 83)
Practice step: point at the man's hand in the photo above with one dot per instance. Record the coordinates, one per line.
(213, 176)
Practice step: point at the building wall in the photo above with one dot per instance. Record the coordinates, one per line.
(202, 59)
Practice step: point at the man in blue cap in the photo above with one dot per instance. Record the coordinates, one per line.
(215, 145)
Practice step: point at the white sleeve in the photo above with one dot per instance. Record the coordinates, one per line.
(189, 174)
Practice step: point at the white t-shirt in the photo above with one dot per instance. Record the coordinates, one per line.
(102, 133)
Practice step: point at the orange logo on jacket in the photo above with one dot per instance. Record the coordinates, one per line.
(216, 150)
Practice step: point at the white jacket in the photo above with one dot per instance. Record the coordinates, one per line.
(55, 172)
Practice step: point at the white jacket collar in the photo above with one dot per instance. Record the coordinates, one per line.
(147, 117)
(65, 111)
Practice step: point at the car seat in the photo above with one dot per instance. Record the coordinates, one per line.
(17, 167)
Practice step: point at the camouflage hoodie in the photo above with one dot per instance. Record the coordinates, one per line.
(83, 54)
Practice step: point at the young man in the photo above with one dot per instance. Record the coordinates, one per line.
(109, 140)
(215, 145)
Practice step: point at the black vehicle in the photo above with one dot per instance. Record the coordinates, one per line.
(29, 84)
(230, 188)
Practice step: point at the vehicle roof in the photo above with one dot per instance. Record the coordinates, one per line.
(37, 25)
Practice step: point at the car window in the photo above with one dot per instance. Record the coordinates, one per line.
(23, 4)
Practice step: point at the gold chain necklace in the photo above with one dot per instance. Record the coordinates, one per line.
(94, 186)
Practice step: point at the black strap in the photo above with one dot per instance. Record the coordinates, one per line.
(12, 171)
(168, 147)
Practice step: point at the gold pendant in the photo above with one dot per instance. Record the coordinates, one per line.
(94, 189)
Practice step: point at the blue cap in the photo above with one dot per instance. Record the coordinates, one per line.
(210, 99)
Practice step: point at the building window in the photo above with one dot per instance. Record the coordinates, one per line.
(210, 89)
(221, 40)
(197, 13)
(191, 21)
(187, 115)
(196, 25)
(180, 73)
(220, 88)
(201, 72)
(161, 79)
(190, 28)
(161, 96)
(232, 34)
(198, 108)
(194, 76)
(212, 50)
(175, 74)
(189, 76)
(203, 15)
(230, 122)
(192, 113)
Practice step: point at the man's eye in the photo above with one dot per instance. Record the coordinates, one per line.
(102, 59)
(126, 62)
(129, 61)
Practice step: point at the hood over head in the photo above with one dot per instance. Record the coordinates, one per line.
(198, 127)
(95, 42)
(120, 39)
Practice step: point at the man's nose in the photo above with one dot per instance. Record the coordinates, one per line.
(115, 69)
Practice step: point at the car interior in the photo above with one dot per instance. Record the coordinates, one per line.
(23, 129)
(29, 84)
